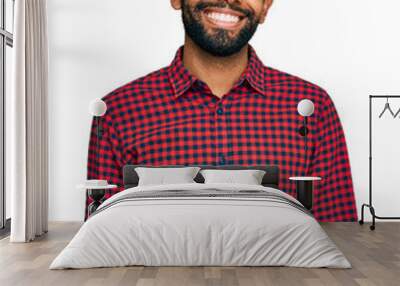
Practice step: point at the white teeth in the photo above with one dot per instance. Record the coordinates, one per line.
(223, 17)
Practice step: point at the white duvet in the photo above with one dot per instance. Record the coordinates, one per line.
(200, 231)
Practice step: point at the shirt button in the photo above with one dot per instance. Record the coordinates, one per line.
(220, 111)
(221, 159)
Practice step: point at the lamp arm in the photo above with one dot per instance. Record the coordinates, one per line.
(305, 143)
(97, 118)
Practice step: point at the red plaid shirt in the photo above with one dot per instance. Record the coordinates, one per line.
(169, 117)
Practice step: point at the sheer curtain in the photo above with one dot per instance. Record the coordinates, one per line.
(28, 123)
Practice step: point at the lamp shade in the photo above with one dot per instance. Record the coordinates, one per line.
(97, 107)
(305, 107)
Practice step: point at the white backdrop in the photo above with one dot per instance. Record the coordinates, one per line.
(350, 48)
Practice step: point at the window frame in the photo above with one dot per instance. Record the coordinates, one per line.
(6, 39)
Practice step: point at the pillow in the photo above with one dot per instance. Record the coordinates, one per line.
(248, 177)
(166, 175)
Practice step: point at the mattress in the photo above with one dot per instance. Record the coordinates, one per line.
(201, 225)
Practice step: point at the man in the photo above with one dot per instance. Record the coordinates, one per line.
(218, 104)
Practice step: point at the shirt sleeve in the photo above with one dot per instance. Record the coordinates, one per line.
(334, 194)
(105, 158)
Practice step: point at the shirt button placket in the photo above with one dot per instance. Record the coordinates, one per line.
(221, 159)
(221, 156)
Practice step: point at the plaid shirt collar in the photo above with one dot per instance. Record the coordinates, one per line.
(181, 79)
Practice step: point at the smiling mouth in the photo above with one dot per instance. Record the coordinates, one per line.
(224, 18)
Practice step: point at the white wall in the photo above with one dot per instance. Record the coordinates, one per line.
(350, 48)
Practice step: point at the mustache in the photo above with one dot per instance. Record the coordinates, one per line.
(205, 5)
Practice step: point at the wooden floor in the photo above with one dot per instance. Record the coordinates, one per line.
(375, 257)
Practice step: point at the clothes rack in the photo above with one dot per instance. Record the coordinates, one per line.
(370, 203)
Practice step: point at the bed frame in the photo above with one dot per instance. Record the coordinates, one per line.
(270, 179)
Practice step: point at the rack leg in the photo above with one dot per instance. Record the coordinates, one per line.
(361, 221)
(372, 210)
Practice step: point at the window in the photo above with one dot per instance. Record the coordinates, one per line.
(6, 44)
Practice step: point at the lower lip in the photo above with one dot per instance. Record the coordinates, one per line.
(221, 24)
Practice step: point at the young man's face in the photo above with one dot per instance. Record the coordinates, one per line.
(222, 27)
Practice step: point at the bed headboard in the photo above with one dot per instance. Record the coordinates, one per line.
(270, 179)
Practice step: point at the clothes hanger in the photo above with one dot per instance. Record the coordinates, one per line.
(387, 107)
(397, 113)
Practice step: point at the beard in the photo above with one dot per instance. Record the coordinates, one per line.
(220, 43)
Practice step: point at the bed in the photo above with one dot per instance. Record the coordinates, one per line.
(198, 224)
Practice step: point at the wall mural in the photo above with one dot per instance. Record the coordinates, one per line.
(218, 104)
